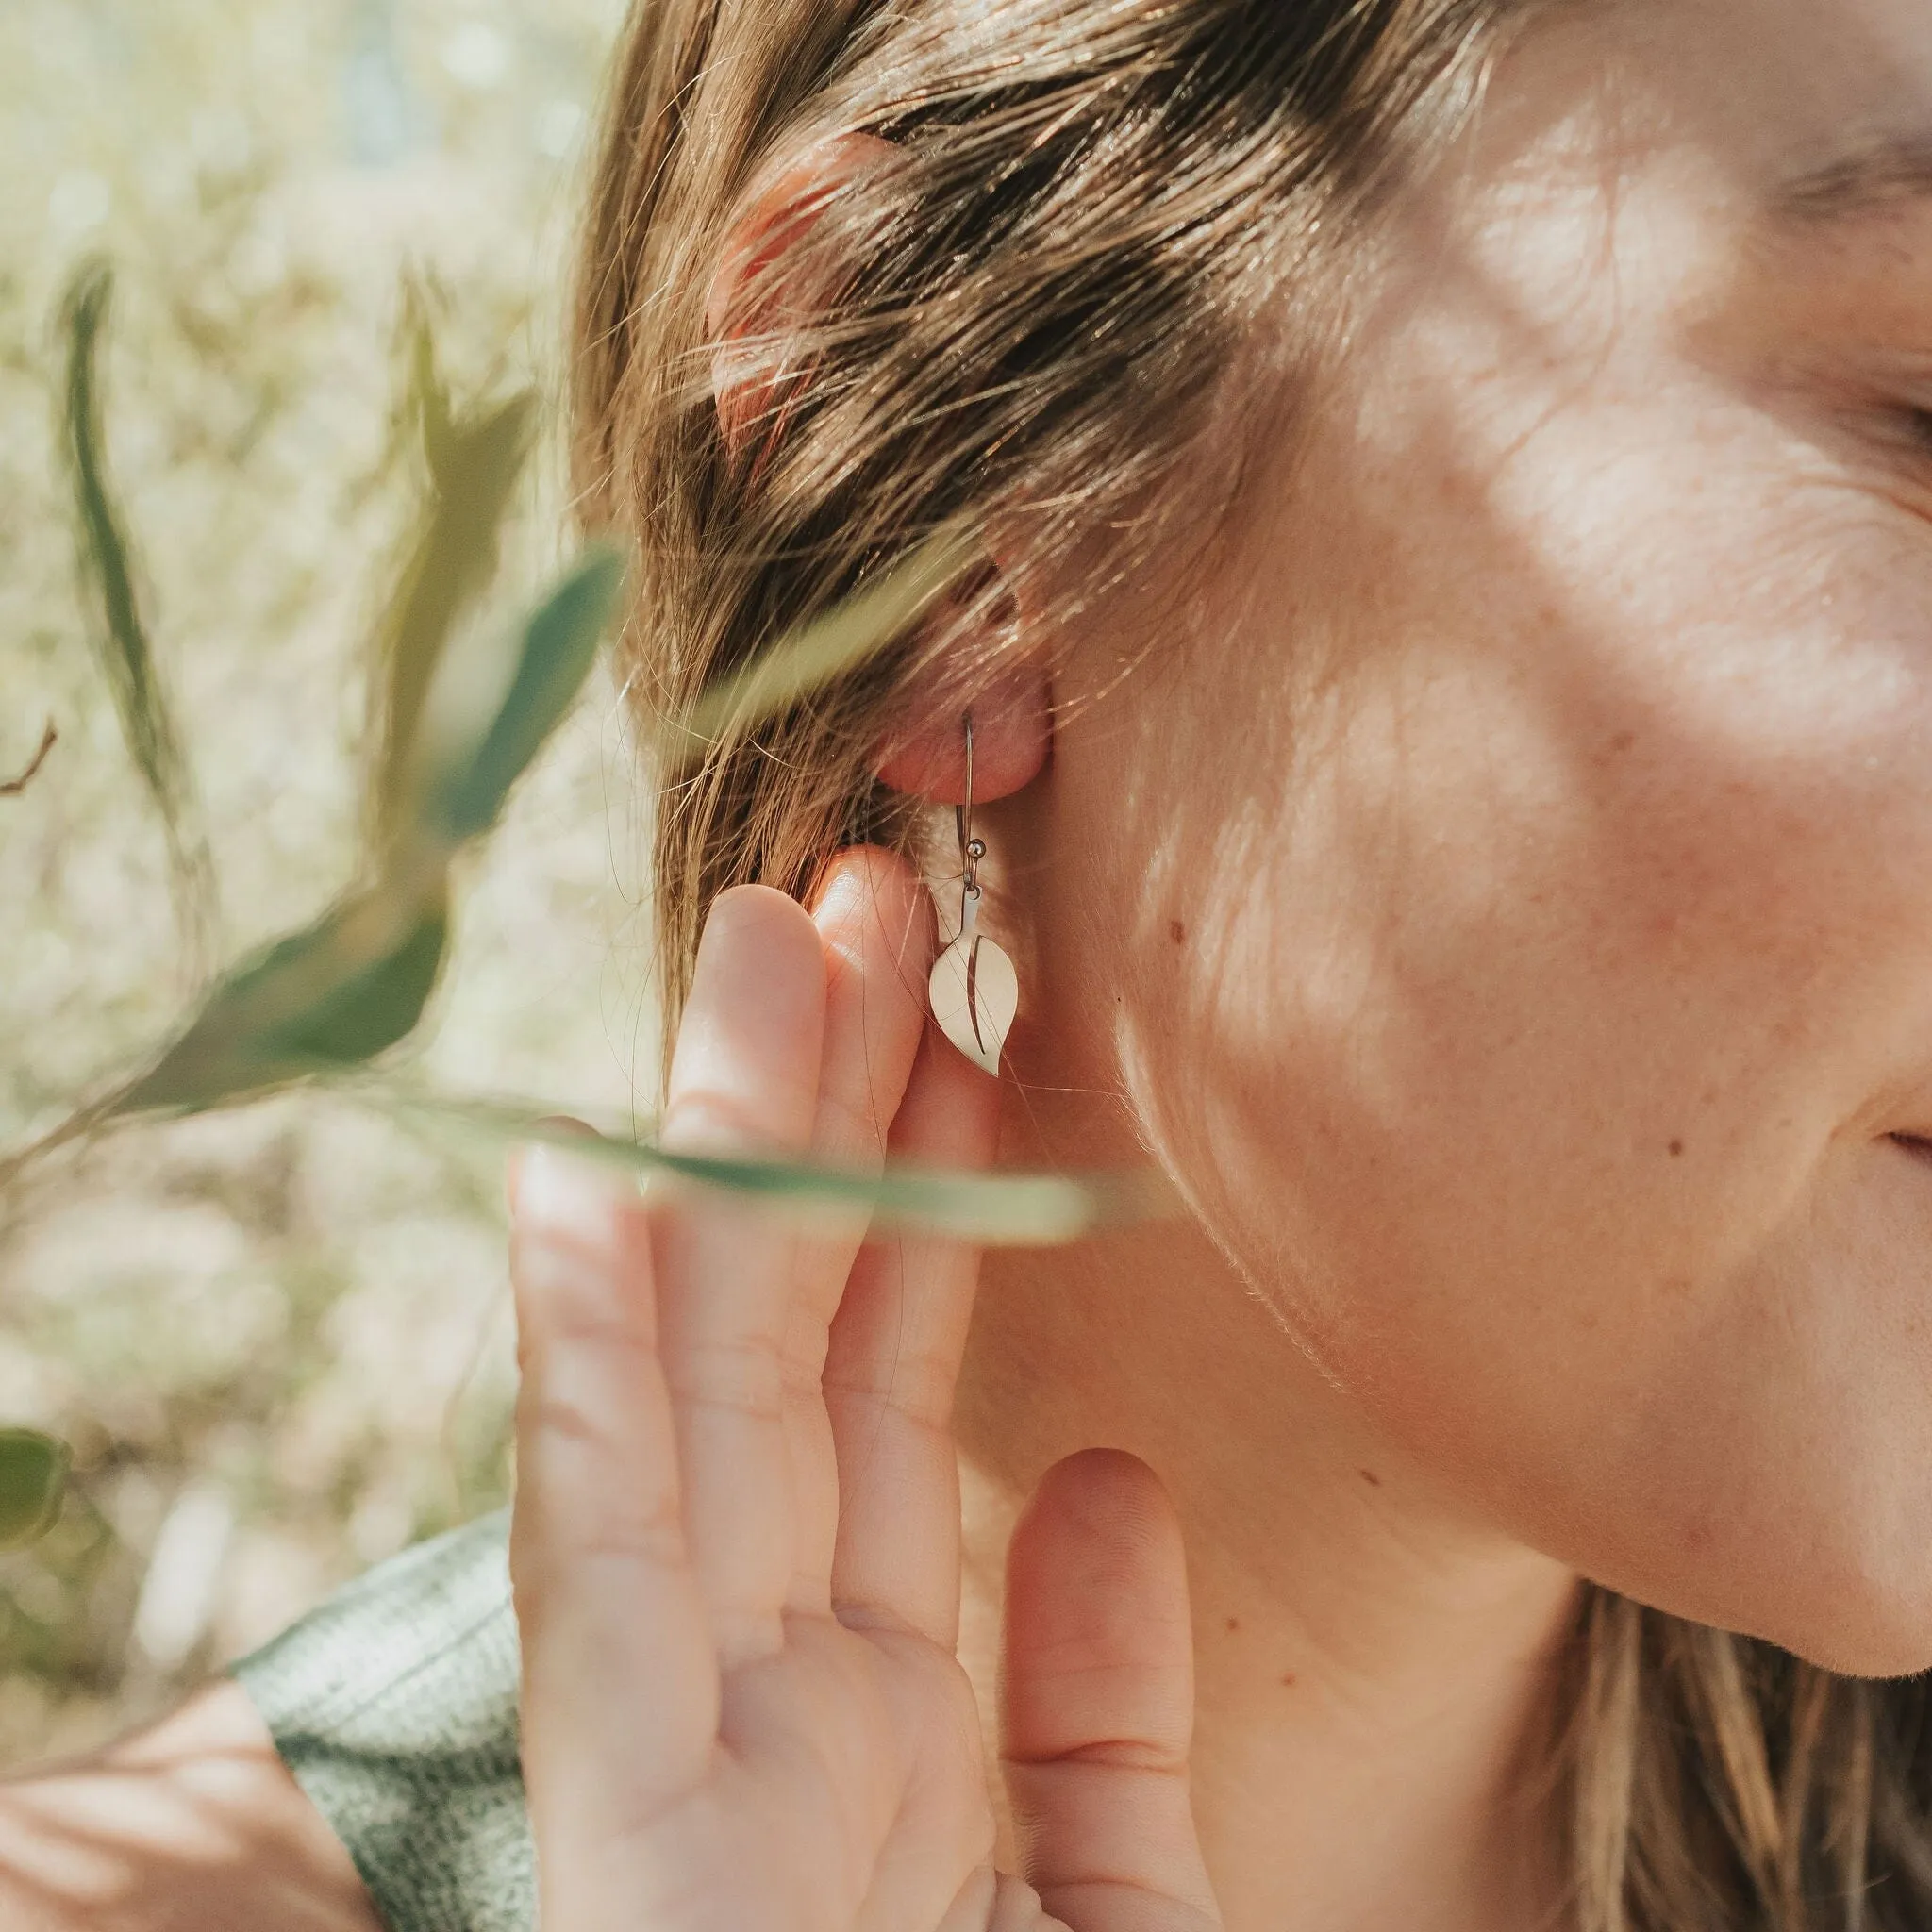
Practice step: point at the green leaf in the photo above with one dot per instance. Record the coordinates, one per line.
(475, 461)
(1026, 1211)
(127, 659)
(332, 997)
(429, 398)
(840, 641)
(559, 648)
(33, 1474)
(374, 1006)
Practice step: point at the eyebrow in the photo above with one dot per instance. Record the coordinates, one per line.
(1873, 178)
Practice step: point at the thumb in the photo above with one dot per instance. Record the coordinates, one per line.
(1097, 1705)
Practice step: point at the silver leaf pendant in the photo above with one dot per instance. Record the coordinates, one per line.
(975, 993)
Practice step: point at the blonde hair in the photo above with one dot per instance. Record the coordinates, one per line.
(1031, 312)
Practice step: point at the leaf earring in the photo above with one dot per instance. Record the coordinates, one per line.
(974, 991)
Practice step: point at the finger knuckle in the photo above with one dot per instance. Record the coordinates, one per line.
(744, 1377)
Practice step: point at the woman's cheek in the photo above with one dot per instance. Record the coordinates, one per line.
(1516, 1164)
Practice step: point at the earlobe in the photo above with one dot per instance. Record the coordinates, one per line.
(1012, 735)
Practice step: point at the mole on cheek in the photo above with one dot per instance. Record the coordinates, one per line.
(1176, 931)
(1676, 1150)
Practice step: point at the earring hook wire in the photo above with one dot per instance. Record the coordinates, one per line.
(971, 850)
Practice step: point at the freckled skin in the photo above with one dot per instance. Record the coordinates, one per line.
(1552, 857)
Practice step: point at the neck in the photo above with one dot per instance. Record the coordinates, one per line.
(1375, 1671)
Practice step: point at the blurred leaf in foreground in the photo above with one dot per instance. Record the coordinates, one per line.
(335, 996)
(840, 641)
(127, 659)
(559, 647)
(356, 983)
(474, 460)
(33, 1472)
(1028, 1211)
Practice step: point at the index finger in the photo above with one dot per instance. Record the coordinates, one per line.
(744, 1079)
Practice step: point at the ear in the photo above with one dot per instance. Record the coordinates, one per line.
(747, 379)
(1012, 734)
(751, 297)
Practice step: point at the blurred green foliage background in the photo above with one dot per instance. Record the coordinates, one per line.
(278, 1341)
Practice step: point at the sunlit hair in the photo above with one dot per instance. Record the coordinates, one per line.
(1044, 314)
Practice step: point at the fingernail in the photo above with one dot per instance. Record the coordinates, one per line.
(838, 891)
(554, 1188)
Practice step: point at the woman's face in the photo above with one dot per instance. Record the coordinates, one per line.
(1525, 909)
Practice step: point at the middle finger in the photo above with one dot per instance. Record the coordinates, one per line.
(877, 925)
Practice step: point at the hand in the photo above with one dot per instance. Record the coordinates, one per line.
(736, 1543)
